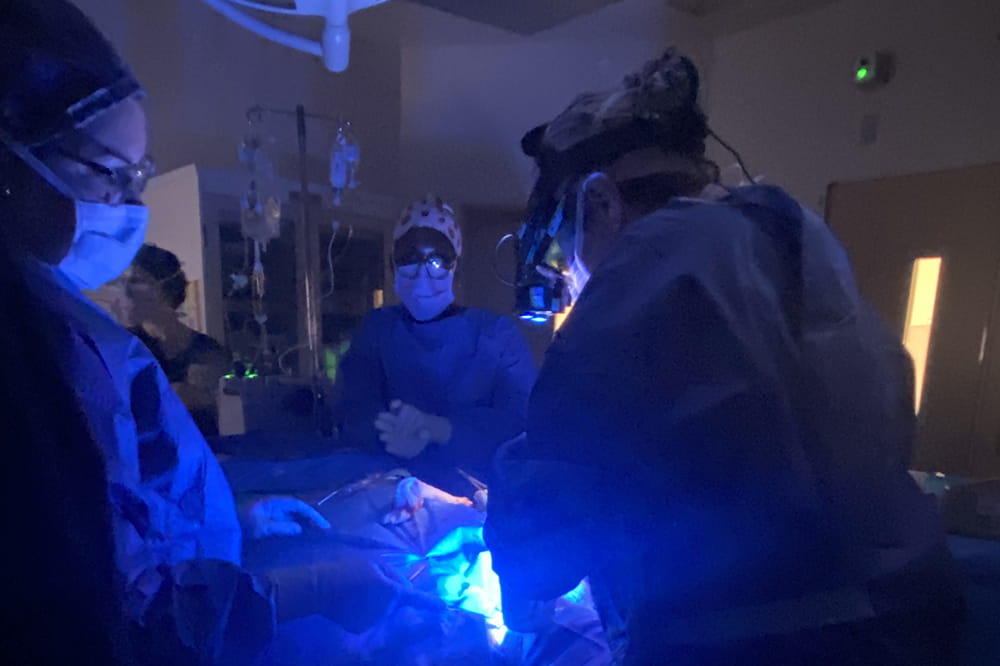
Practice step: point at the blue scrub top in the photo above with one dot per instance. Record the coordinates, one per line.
(722, 421)
(170, 499)
(469, 365)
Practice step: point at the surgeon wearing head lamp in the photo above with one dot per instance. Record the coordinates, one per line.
(436, 385)
(720, 432)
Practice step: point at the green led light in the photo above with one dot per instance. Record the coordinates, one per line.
(862, 73)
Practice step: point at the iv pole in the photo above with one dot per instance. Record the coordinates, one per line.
(306, 257)
(307, 265)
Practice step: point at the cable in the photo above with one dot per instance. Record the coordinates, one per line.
(282, 355)
(332, 260)
(732, 151)
(496, 254)
(343, 250)
(329, 260)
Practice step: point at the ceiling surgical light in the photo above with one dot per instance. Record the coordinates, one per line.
(335, 46)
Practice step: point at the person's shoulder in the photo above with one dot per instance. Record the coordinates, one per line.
(378, 320)
(705, 222)
(488, 319)
(384, 315)
(501, 328)
(688, 215)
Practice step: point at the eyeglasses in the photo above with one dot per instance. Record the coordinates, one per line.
(130, 179)
(438, 266)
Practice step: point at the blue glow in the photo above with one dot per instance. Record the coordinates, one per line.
(537, 296)
(579, 594)
(462, 570)
(536, 317)
(482, 595)
(557, 218)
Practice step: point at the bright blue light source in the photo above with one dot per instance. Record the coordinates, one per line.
(463, 572)
(461, 569)
(536, 318)
(482, 595)
(579, 594)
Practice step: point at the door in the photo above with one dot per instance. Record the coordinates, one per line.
(888, 226)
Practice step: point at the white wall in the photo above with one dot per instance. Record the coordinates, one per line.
(175, 225)
(443, 111)
(467, 102)
(782, 93)
(450, 115)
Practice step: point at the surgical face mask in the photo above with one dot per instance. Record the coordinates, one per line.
(106, 241)
(577, 276)
(423, 296)
(577, 272)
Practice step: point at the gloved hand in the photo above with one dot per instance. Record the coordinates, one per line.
(406, 431)
(279, 516)
(354, 592)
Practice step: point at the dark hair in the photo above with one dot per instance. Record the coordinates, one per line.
(54, 63)
(166, 269)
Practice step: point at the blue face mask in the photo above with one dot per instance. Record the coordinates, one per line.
(425, 297)
(106, 241)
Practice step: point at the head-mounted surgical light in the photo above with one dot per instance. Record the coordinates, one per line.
(539, 285)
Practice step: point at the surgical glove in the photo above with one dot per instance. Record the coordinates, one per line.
(279, 516)
(354, 592)
(403, 446)
(406, 431)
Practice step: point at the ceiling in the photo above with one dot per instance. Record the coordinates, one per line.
(531, 16)
(451, 20)
(702, 7)
(735, 15)
(525, 17)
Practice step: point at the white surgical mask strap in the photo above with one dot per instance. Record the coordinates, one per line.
(581, 202)
(40, 167)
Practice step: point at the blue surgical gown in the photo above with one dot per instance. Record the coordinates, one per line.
(721, 424)
(470, 366)
(171, 501)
